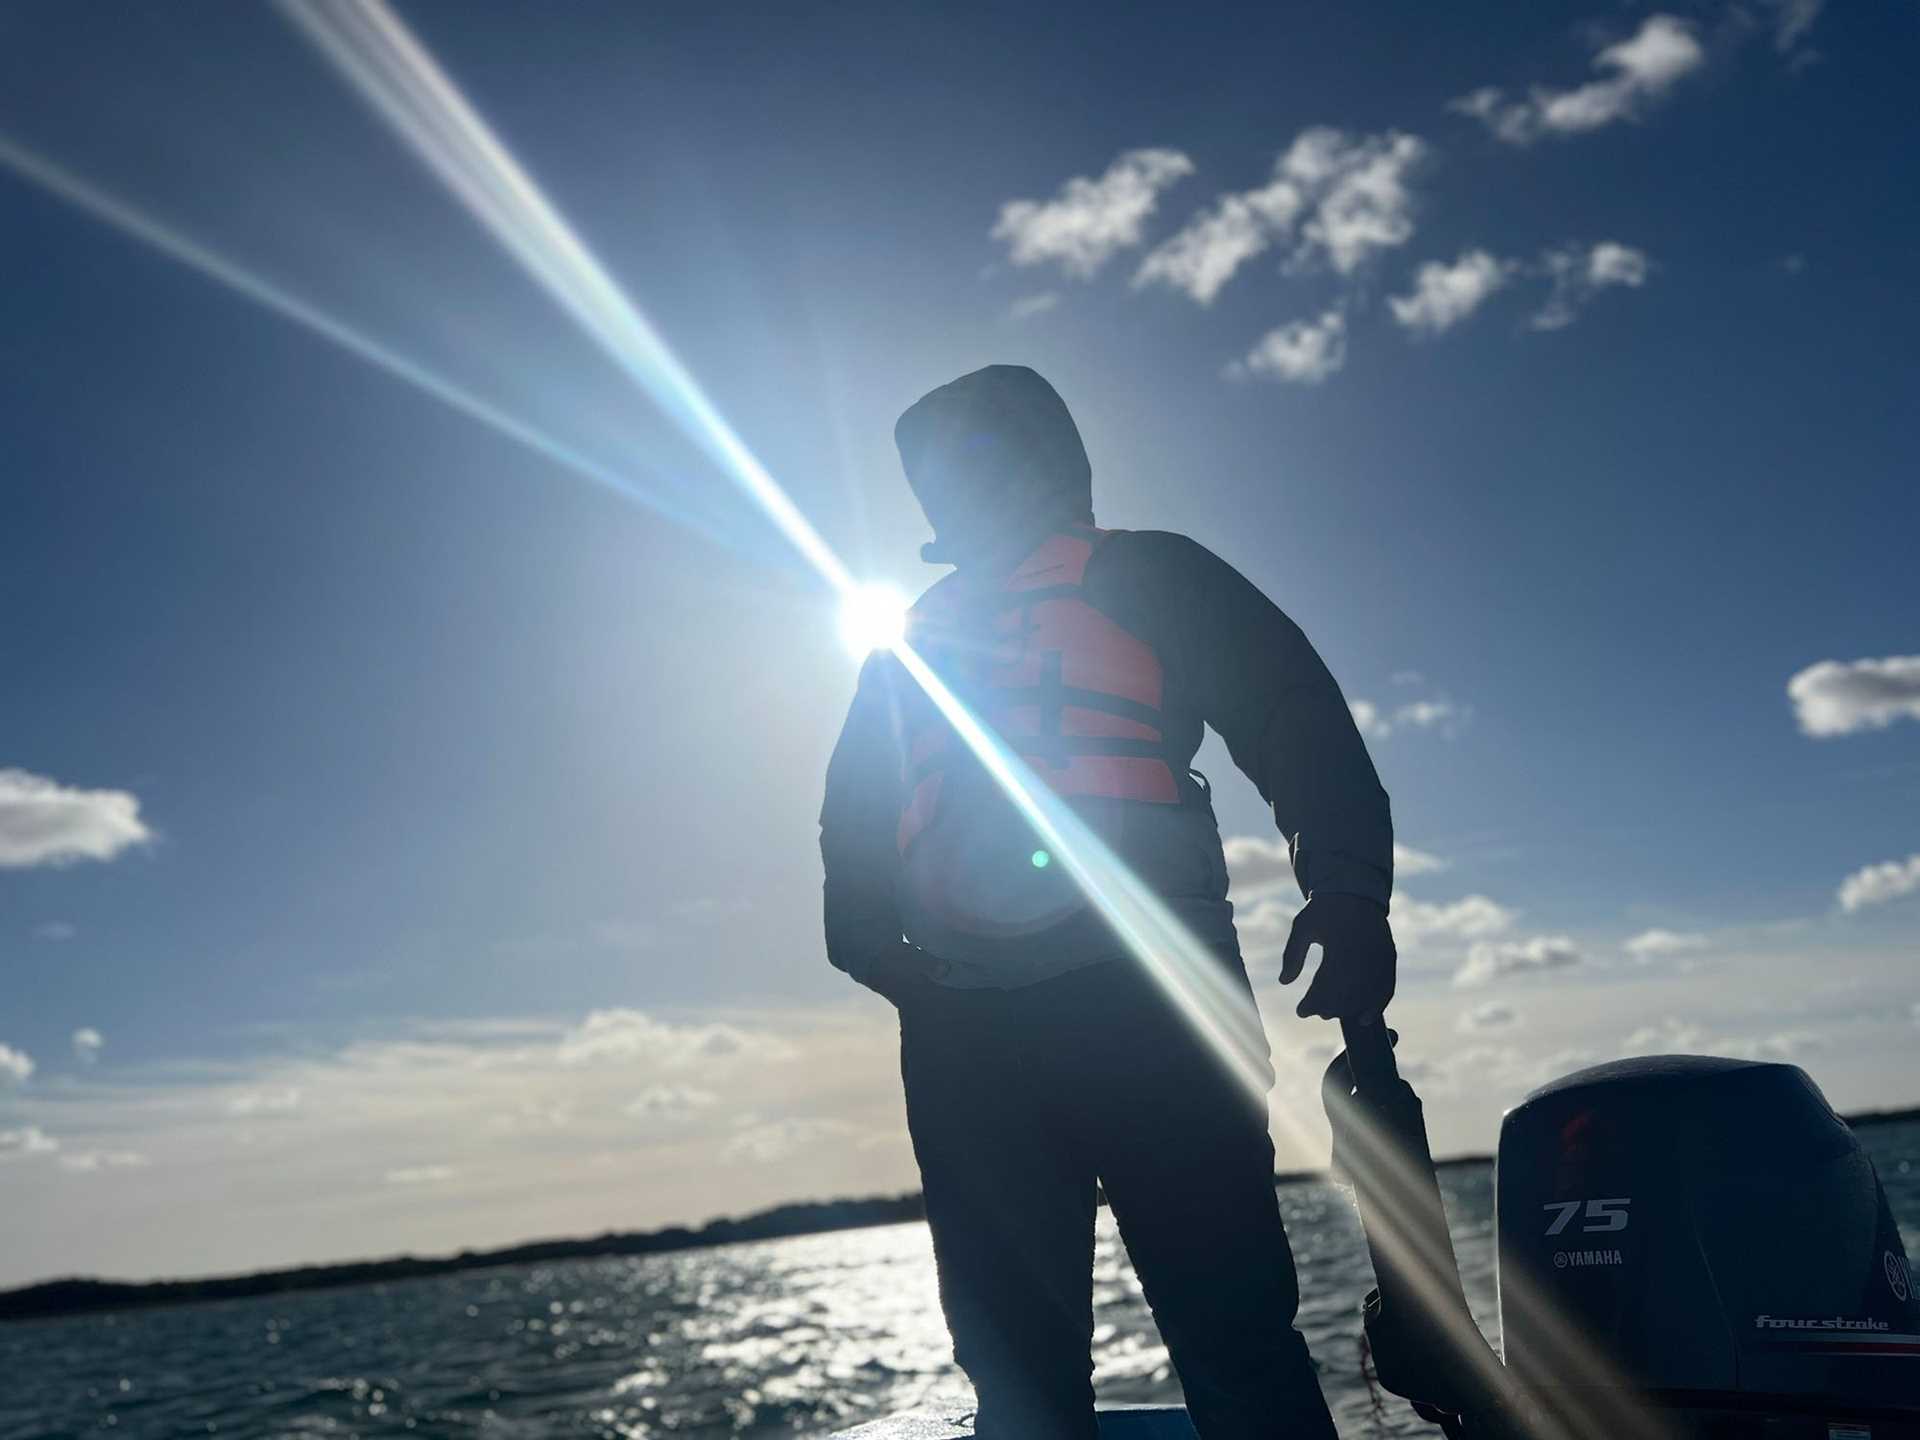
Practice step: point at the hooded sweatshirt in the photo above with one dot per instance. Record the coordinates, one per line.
(1229, 659)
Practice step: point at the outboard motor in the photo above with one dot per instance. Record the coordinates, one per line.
(1707, 1236)
(1688, 1248)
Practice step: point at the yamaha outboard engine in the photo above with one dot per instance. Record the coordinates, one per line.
(1701, 1246)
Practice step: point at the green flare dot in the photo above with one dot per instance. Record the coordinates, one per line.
(1041, 859)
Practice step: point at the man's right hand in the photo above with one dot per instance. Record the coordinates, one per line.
(900, 971)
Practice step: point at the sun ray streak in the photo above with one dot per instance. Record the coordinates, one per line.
(376, 53)
(118, 214)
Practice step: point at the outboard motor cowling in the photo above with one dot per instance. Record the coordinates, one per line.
(1709, 1236)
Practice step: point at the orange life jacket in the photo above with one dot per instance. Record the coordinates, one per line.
(1071, 692)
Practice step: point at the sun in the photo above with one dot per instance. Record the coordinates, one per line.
(873, 617)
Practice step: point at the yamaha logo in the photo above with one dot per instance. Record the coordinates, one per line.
(1579, 1259)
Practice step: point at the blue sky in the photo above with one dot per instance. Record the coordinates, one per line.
(419, 838)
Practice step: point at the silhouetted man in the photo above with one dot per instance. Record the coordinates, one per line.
(1038, 1055)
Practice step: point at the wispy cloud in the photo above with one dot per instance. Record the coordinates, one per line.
(1409, 861)
(1418, 923)
(624, 1035)
(1793, 21)
(1259, 864)
(1304, 352)
(25, 1140)
(87, 1044)
(43, 822)
(1331, 197)
(1490, 960)
(1877, 884)
(1028, 306)
(278, 1100)
(1670, 1036)
(670, 1102)
(1841, 697)
(1580, 272)
(1651, 944)
(1364, 202)
(1091, 219)
(421, 1175)
(15, 1065)
(1634, 73)
(777, 1140)
(1378, 723)
(1443, 295)
(55, 931)
(1494, 1015)
(87, 1161)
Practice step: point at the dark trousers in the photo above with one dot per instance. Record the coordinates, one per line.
(1018, 1101)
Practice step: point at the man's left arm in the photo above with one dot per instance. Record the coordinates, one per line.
(1263, 687)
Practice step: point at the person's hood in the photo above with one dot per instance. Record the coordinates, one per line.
(994, 458)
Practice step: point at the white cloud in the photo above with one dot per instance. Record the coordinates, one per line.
(1665, 1037)
(629, 1035)
(1207, 251)
(1840, 697)
(1488, 960)
(1342, 197)
(1257, 863)
(43, 822)
(540, 1146)
(87, 1042)
(1265, 924)
(1444, 295)
(1447, 716)
(1091, 220)
(421, 1175)
(1260, 871)
(1783, 1045)
(280, 1100)
(91, 1160)
(1304, 352)
(779, 1139)
(1365, 204)
(1792, 19)
(1579, 273)
(1027, 306)
(55, 931)
(1877, 884)
(1491, 1016)
(14, 1064)
(26, 1140)
(1408, 677)
(1673, 1036)
(670, 1102)
(1409, 861)
(1649, 944)
(1426, 714)
(1634, 73)
(1419, 922)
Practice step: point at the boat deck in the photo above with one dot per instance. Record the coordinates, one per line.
(1124, 1422)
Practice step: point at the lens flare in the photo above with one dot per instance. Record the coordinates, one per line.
(873, 617)
(386, 63)
(111, 210)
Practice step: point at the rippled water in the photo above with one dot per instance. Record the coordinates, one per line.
(791, 1337)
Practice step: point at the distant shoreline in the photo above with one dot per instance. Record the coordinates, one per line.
(50, 1299)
